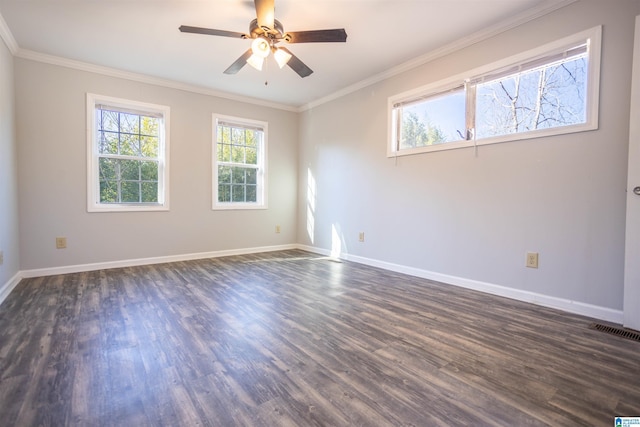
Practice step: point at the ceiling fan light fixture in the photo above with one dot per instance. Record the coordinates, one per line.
(265, 32)
(260, 47)
(282, 57)
(256, 61)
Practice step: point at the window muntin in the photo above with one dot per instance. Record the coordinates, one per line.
(128, 162)
(547, 91)
(239, 169)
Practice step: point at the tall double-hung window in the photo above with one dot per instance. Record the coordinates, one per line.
(239, 163)
(128, 155)
(547, 91)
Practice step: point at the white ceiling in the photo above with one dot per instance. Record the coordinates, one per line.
(141, 36)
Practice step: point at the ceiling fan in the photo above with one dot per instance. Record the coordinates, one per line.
(267, 32)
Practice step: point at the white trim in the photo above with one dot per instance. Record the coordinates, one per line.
(570, 306)
(542, 9)
(52, 271)
(262, 175)
(6, 289)
(631, 295)
(143, 78)
(93, 185)
(592, 35)
(7, 36)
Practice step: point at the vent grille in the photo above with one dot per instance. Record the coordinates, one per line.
(613, 330)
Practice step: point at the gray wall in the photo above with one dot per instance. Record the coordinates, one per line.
(9, 242)
(469, 217)
(51, 123)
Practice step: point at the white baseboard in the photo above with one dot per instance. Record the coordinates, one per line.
(6, 289)
(40, 272)
(570, 306)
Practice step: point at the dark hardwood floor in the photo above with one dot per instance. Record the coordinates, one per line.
(293, 339)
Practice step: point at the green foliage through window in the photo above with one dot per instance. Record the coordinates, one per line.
(238, 162)
(128, 149)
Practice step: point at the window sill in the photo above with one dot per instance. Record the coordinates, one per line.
(238, 206)
(128, 208)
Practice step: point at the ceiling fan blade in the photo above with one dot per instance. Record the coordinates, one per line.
(239, 63)
(317, 36)
(297, 65)
(212, 32)
(265, 11)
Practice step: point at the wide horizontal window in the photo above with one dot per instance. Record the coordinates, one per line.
(551, 90)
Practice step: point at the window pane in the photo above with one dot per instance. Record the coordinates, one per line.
(108, 142)
(252, 156)
(252, 138)
(237, 193)
(149, 146)
(129, 145)
(224, 193)
(150, 126)
(149, 171)
(542, 98)
(130, 192)
(252, 176)
(237, 136)
(223, 155)
(224, 174)
(129, 170)
(435, 120)
(149, 192)
(109, 120)
(108, 192)
(238, 176)
(129, 123)
(237, 154)
(107, 169)
(224, 135)
(251, 194)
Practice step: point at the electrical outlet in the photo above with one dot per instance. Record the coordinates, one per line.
(61, 242)
(532, 259)
(361, 236)
(1, 257)
(277, 229)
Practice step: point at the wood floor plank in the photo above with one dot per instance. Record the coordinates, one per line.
(294, 339)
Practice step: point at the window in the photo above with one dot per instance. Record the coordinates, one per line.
(128, 164)
(239, 163)
(548, 91)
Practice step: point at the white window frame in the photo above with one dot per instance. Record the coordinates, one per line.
(593, 38)
(261, 176)
(93, 181)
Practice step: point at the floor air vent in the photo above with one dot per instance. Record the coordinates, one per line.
(621, 332)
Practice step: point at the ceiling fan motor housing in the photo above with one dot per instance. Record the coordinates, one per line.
(275, 33)
(266, 36)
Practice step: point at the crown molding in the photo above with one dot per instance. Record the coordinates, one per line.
(7, 36)
(143, 78)
(542, 9)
